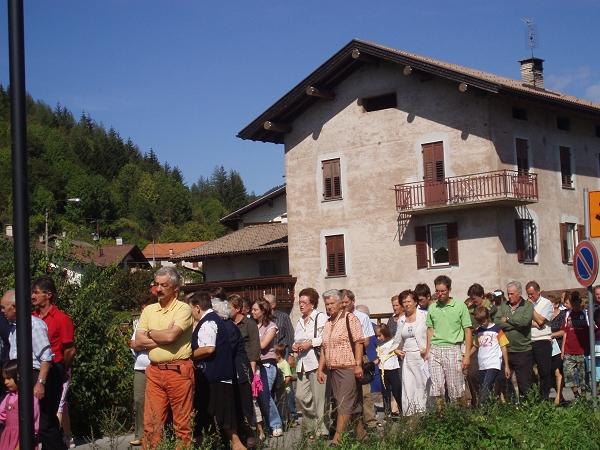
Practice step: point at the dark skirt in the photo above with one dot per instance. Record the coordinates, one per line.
(222, 405)
(215, 405)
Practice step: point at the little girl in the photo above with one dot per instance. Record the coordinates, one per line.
(389, 367)
(9, 409)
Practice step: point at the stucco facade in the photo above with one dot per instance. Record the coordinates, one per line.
(383, 148)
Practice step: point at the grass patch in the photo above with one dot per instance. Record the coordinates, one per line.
(531, 425)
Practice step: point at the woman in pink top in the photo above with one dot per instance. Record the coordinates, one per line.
(342, 354)
(9, 409)
(263, 314)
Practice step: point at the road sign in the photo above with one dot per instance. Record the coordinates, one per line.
(585, 263)
(594, 202)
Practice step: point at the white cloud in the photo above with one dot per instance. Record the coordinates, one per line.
(559, 83)
(593, 93)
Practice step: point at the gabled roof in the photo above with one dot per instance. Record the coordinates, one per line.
(106, 255)
(164, 250)
(239, 214)
(358, 53)
(250, 239)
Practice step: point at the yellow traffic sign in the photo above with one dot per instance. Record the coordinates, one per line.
(594, 208)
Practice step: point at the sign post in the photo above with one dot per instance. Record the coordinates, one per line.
(585, 266)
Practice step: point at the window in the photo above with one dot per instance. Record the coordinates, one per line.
(336, 258)
(570, 235)
(437, 245)
(332, 180)
(380, 102)
(522, 156)
(519, 113)
(269, 267)
(565, 167)
(563, 123)
(597, 130)
(526, 240)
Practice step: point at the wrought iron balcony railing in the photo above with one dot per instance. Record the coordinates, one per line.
(503, 185)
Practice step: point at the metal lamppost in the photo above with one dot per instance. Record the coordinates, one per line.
(75, 199)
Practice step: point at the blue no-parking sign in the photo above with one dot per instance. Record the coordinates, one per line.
(585, 263)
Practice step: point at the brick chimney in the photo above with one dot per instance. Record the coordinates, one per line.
(532, 72)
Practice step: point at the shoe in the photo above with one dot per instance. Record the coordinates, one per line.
(136, 443)
(70, 443)
(277, 432)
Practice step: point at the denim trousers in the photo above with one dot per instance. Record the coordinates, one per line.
(265, 400)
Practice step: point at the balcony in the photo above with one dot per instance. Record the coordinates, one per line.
(281, 286)
(501, 188)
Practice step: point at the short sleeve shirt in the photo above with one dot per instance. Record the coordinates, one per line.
(448, 322)
(155, 317)
(544, 308)
(365, 323)
(268, 352)
(336, 342)
(60, 330)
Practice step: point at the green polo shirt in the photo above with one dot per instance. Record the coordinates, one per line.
(448, 322)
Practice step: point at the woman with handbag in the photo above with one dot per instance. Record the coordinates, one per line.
(310, 394)
(342, 354)
(411, 342)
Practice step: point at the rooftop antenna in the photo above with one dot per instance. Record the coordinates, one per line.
(531, 36)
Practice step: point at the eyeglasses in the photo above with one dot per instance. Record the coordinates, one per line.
(441, 292)
(304, 303)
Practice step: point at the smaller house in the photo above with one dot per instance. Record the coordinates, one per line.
(161, 254)
(253, 259)
(126, 255)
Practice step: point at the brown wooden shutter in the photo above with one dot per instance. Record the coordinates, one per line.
(433, 160)
(421, 245)
(520, 240)
(336, 258)
(452, 243)
(580, 233)
(438, 151)
(327, 180)
(563, 243)
(565, 166)
(522, 158)
(337, 178)
(332, 179)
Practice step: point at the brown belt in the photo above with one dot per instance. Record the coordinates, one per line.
(172, 365)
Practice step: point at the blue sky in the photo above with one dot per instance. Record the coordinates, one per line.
(183, 77)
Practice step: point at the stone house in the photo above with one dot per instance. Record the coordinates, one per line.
(400, 168)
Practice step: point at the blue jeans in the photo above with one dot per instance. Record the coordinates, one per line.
(265, 400)
(486, 382)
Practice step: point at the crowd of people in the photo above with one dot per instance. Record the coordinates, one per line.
(223, 366)
(53, 351)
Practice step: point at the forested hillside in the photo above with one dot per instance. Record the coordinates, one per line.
(123, 192)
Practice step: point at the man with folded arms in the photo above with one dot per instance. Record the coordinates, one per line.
(165, 329)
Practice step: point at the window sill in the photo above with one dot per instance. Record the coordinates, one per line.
(327, 200)
(336, 276)
(531, 263)
(568, 188)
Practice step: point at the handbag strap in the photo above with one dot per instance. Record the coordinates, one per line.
(316, 325)
(350, 333)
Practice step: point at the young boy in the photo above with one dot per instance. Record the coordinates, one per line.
(283, 389)
(491, 342)
(575, 345)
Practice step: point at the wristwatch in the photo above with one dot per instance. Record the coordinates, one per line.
(42, 381)
(149, 334)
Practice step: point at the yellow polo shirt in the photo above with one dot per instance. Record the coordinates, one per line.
(154, 317)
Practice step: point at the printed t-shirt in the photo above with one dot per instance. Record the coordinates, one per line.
(577, 340)
(490, 341)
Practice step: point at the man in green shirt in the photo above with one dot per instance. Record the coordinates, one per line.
(448, 326)
(514, 317)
